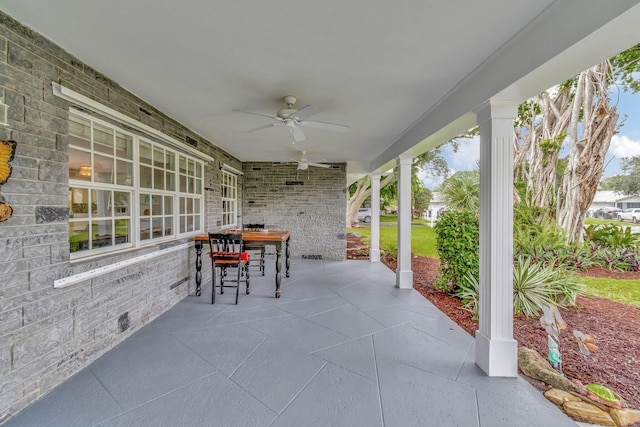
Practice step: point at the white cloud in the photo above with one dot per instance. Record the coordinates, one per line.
(467, 156)
(622, 146)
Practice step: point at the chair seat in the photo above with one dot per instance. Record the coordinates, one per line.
(233, 256)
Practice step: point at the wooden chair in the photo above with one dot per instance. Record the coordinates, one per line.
(227, 252)
(256, 247)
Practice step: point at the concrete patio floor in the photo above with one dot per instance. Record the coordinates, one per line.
(341, 347)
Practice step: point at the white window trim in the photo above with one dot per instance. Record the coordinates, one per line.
(235, 200)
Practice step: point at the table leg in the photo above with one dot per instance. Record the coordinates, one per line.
(287, 262)
(198, 245)
(278, 268)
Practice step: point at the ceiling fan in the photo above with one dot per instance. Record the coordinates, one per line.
(303, 163)
(294, 119)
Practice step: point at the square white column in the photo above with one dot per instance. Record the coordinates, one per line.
(404, 274)
(496, 350)
(374, 249)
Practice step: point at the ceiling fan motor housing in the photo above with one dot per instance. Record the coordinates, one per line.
(285, 113)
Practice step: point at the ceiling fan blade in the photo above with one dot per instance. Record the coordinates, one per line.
(297, 133)
(260, 128)
(320, 165)
(256, 114)
(305, 111)
(324, 125)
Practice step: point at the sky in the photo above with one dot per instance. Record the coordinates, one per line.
(624, 144)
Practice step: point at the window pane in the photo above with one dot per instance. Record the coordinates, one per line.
(196, 206)
(145, 152)
(196, 222)
(103, 236)
(189, 223)
(101, 204)
(189, 206)
(79, 132)
(103, 168)
(183, 224)
(199, 170)
(79, 164)
(79, 202)
(183, 184)
(156, 205)
(102, 139)
(123, 231)
(170, 161)
(124, 172)
(158, 157)
(79, 236)
(124, 146)
(145, 205)
(191, 185)
(157, 227)
(168, 226)
(171, 178)
(158, 179)
(122, 203)
(198, 186)
(168, 205)
(183, 165)
(145, 177)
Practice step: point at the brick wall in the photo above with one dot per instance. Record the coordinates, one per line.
(48, 334)
(312, 204)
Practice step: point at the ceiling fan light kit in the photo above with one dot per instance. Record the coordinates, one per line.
(294, 119)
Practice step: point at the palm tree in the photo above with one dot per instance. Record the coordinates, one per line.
(461, 191)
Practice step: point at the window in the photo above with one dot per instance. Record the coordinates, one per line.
(229, 199)
(123, 189)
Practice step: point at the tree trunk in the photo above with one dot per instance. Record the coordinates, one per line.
(587, 151)
(363, 191)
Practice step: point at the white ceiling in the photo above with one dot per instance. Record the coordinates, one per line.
(396, 72)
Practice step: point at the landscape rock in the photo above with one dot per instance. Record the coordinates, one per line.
(624, 417)
(535, 366)
(559, 397)
(584, 411)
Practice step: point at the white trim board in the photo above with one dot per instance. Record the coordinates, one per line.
(76, 278)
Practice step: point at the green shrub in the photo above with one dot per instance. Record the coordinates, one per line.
(534, 286)
(537, 285)
(534, 229)
(457, 241)
(611, 235)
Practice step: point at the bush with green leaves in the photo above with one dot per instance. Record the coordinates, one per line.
(534, 230)
(611, 235)
(457, 241)
(534, 286)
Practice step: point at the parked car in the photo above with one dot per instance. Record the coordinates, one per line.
(610, 212)
(631, 214)
(364, 215)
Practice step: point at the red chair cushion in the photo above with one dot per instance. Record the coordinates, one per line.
(244, 256)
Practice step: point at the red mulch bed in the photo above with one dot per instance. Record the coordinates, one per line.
(614, 325)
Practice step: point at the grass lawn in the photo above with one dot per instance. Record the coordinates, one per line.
(394, 218)
(626, 291)
(423, 243)
(588, 221)
(423, 239)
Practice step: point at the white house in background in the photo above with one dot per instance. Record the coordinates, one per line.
(604, 199)
(435, 206)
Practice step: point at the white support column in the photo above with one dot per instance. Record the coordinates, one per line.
(374, 251)
(404, 274)
(496, 350)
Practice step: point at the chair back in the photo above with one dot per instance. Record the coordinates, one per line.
(225, 246)
(253, 226)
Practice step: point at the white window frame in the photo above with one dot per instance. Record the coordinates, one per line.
(135, 215)
(229, 199)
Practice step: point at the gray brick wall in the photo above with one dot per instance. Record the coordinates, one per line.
(312, 204)
(48, 334)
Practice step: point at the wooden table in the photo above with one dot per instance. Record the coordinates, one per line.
(277, 238)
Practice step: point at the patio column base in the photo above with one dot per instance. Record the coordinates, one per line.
(374, 255)
(404, 279)
(497, 358)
